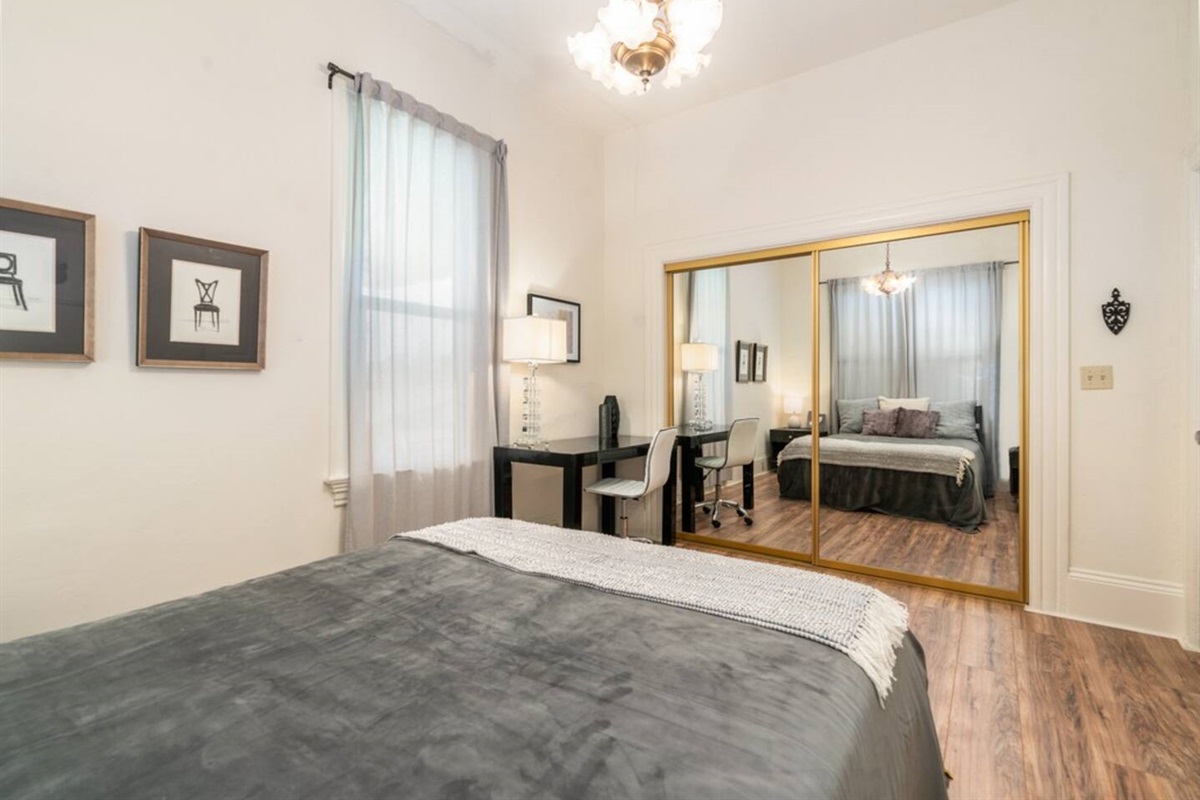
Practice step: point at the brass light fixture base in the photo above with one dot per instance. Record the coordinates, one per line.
(647, 59)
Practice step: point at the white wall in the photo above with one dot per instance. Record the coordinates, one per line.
(121, 487)
(754, 290)
(1037, 87)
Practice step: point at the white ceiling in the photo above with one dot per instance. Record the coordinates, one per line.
(760, 41)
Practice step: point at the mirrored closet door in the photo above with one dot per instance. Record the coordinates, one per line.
(741, 349)
(886, 377)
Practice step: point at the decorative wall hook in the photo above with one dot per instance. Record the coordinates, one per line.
(1116, 312)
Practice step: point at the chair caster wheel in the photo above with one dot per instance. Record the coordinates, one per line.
(706, 509)
(748, 521)
(716, 523)
(741, 513)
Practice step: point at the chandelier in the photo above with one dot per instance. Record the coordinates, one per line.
(888, 282)
(637, 39)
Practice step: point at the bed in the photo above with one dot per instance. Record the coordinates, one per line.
(958, 500)
(416, 670)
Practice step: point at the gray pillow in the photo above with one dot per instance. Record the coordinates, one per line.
(957, 421)
(880, 423)
(916, 424)
(850, 413)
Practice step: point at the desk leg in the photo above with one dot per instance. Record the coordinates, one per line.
(502, 495)
(608, 505)
(689, 489)
(668, 506)
(748, 486)
(572, 497)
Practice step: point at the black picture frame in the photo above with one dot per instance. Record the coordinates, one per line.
(743, 365)
(180, 316)
(47, 270)
(760, 363)
(539, 305)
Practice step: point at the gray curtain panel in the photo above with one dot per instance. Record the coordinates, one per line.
(428, 258)
(940, 339)
(708, 322)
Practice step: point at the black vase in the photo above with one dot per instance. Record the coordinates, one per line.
(610, 419)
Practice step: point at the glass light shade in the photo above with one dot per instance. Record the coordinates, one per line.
(535, 340)
(887, 283)
(625, 82)
(694, 22)
(630, 22)
(698, 357)
(592, 51)
(684, 65)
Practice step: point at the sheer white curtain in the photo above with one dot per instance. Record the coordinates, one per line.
(428, 255)
(708, 322)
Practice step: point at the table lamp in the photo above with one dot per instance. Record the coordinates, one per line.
(793, 405)
(698, 357)
(534, 341)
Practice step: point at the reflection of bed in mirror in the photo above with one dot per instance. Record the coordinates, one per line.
(941, 479)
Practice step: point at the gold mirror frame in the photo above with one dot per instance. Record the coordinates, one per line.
(814, 249)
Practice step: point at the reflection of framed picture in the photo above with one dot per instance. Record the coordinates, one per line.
(200, 303)
(760, 362)
(745, 361)
(46, 271)
(540, 306)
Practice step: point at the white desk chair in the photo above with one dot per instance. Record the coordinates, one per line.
(739, 451)
(658, 468)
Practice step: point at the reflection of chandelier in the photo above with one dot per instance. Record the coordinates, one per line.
(636, 39)
(888, 282)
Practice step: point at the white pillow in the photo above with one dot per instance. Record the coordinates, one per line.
(911, 403)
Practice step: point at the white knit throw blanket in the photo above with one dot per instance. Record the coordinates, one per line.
(936, 459)
(864, 623)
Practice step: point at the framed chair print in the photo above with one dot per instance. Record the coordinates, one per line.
(200, 303)
(745, 362)
(47, 266)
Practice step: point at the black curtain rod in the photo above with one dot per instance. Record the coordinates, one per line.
(334, 69)
(1002, 263)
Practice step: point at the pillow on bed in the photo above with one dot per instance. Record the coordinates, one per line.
(957, 421)
(915, 403)
(916, 424)
(850, 413)
(880, 423)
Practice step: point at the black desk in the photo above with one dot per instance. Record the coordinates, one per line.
(689, 441)
(571, 456)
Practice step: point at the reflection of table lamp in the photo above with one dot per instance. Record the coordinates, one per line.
(534, 340)
(699, 358)
(793, 405)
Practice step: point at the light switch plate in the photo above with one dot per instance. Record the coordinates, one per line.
(1097, 377)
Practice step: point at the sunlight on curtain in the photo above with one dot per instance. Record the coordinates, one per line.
(428, 228)
(708, 322)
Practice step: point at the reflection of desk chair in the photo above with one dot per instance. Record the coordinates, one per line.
(8, 277)
(739, 451)
(658, 469)
(207, 291)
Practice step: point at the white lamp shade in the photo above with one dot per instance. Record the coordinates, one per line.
(793, 403)
(535, 340)
(699, 357)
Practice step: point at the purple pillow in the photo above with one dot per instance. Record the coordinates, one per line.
(880, 423)
(916, 424)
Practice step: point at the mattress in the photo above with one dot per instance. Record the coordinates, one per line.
(408, 670)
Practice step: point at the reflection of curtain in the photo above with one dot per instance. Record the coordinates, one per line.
(428, 255)
(940, 339)
(708, 322)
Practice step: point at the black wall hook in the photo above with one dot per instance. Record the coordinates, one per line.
(1116, 312)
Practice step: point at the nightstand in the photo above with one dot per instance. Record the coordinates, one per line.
(779, 439)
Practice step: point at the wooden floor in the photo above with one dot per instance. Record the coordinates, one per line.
(1032, 706)
(990, 557)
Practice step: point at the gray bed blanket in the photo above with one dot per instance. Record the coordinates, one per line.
(409, 671)
(928, 456)
(853, 618)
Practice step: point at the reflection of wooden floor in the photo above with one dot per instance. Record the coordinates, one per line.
(1028, 705)
(989, 557)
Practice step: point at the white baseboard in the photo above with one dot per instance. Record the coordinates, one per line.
(1123, 601)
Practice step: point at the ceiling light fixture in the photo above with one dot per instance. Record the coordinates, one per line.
(635, 40)
(888, 282)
